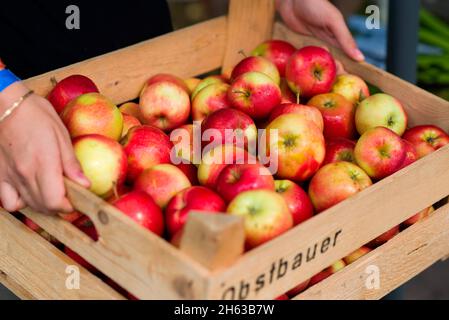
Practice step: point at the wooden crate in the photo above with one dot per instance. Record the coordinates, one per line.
(210, 264)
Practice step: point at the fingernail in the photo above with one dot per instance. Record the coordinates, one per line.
(83, 179)
(359, 55)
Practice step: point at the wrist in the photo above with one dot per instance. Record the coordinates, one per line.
(11, 94)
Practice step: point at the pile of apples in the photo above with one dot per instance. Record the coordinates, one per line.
(333, 139)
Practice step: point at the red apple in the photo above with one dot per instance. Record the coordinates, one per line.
(287, 95)
(283, 297)
(128, 123)
(297, 200)
(162, 182)
(336, 182)
(426, 139)
(229, 126)
(265, 214)
(210, 99)
(237, 178)
(410, 154)
(298, 289)
(145, 146)
(352, 87)
(191, 199)
(36, 228)
(309, 113)
(191, 172)
(103, 161)
(132, 109)
(356, 255)
(380, 152)
(418, 217)
(140, 207)
(256, 64)
(164, 105)
(339, 149)
(162, 77)
(254, 93)
(384, 237)
(311, 71)
(205, 83)
(187, 142)
(92, 113)
(277, 51)
(71, 217)
(326, 273)
(68, 89)
(338, 115)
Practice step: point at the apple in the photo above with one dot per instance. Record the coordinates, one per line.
(339, 149)
(68, 89)
(191, 199)
(380, 152)
(164, 105)
(287, 95)
(191, 172)
(296, 144)
(426, 139)
(277, 51)
(217, 158)
(352, 87)
(336, 182)
(191, 84)
(206, 82)
(309, 113)
(183, 139)
(237, 178)
(140, 207)
(145, 146)
(128, 123)
(418, 217)
(210, 99)
(36, 228)
(298, 289)
(356, 255)
(93, 113)
(384, 237)
(326, 273)
(132, 109)
(311, 71)
(381, 110)
(71, 217)
(162, 182)
(254, 93)
(229, 126)
(256, 64)
(297, 200)
(338, 115)
(410, 154)
(162, 77)
(283, 297)
(265, 215)
(103, 162)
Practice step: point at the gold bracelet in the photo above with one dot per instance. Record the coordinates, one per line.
(15, 105)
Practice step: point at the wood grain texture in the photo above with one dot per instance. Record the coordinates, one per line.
(34, 269)
(250, 22)
(120, 75)
(422, 107)
(400, 259)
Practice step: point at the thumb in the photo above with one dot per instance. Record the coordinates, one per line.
(345, 40)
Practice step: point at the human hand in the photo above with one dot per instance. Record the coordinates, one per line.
(35, 153)
(321, 19)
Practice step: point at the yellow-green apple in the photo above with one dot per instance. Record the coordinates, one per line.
(426, 139)
(162, 77)
(296, 143)
(381, 110)
(145, 146)
(336, 182)
(229, 126)
(297, 200)
(132, 109)
(338, 115)
(141, 207)
(356, 255)
(256, 64)
(193, 198)
(164, 105)
(210, 99)
(217, 158)
(352, 87)
(410, 154)
(265, 215)
(191, 84)
(384, 237)
(128, 123)
(103, 161)
(68, 89)
(298, 289)
(309, 113)
(206, 82)
(339, 149)
(418, 217)
(287, 95)
(237, 178)
(162, 182)
(311, 71)
(254, 93)
(326, 273)
(277, 51)
(191, 172)
(93, 113)
(380, 152)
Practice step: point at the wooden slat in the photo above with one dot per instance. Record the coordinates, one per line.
(141, 262)
(34, 269)
(250, 22)
(409, 253)
(422, 107)
(120, 75)
(353, 223)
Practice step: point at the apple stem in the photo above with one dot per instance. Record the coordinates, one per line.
(246, 94)
(114, 189)
(53, 81)
(242, 52)
(298, 100)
